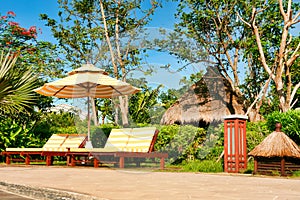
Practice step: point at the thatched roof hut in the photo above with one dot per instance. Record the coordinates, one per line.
(205, 102)
(276, 153)
(277, 144)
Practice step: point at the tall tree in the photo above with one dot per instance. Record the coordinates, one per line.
(215, 25)
(278, 51)
(102, 32)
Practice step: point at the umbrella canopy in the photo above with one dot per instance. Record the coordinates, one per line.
(87, 81)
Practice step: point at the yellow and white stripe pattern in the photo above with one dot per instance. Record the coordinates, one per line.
(54, 142)
(73, 141)
(140, 139)
(87, 82)
(131, 139)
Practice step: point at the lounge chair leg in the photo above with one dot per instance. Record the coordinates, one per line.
(121, 162)
(27, 160)
(8, 159)
(96, 163)
(73, 161)
(49, 160)
(68, 160)
(162, 163)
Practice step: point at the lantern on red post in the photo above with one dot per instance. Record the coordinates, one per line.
(235, 146)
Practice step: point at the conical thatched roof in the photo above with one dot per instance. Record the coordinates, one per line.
(207, 101)
(277, 144)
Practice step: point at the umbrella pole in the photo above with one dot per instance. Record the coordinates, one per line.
(88, 118)
(88, 143)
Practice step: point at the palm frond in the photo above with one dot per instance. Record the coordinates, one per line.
(16, 85)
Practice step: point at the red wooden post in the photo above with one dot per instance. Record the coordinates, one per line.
(27, 160)
(162, 163)
(121, 162)
(49, 160)
(8, 159)
(73, 161)
(255, 165)
(282, 166)
(96, 163)
(235, 147)
(226, 147)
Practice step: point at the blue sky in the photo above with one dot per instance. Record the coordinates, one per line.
(28, 11)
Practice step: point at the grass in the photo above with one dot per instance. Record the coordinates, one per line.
(250, 167)
(208, 166)
(296, 173)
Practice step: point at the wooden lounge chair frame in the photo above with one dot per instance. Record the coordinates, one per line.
(118, 155)
(57, 145)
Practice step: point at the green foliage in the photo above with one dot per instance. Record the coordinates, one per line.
(142, 105)
(290, 122)
(202, 166)
(39, 56)
(15, 86)
(105, 106)
(256, 132)
(218, 30)
(212, 147)
(100, 134)
(169, 97)
(53, 123)
(296, 173)
(250, 167)
(180, 142)
(80, 30)
(15, 134)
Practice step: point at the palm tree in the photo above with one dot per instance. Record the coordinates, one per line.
(16, 85)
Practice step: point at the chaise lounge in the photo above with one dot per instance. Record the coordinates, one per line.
(122, 144)
(57, 145)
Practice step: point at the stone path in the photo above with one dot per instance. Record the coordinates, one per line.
(10, 196)
(112, 184)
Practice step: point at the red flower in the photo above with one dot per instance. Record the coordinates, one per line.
(13, 23)
(3, 17)
(11, 13)
(32, 29)
(26, 33)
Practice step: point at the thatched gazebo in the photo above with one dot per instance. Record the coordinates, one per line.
(205, 102)
(276, 154)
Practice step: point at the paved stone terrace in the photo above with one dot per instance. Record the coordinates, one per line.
(114, 184)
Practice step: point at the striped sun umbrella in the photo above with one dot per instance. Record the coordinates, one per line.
(87, 81)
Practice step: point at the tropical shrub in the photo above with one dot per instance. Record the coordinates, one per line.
(212, 147)
(100, 134)
(16, 86)
(15, 134)
(180, 142)
(256, 132)
(290, 122)
(53, 123)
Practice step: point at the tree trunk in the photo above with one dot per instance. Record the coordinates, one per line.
(103, 119)
(95, 114)
(124, 110)
(116, 114)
